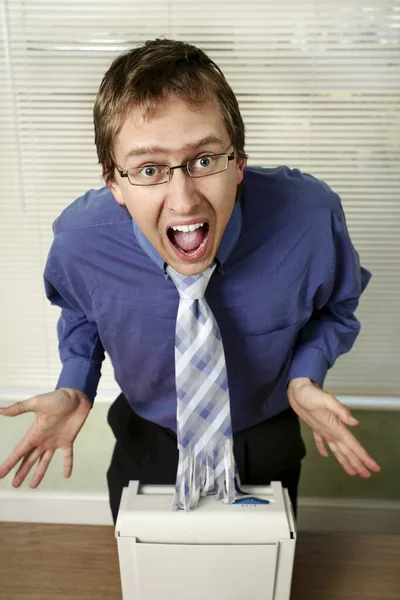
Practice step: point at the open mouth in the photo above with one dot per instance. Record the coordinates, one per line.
(189, 240)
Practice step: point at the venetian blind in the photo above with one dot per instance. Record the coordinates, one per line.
(318, 84)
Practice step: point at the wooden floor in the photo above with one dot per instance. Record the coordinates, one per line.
(61, 562)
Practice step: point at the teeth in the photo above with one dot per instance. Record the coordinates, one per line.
(187, 228)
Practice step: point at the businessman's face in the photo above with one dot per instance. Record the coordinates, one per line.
(184, 218)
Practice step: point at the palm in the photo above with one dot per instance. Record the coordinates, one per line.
(322, 420)
(55, 425)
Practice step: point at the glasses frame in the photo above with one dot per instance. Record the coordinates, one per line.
(184, 166)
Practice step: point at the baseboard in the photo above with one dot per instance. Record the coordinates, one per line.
(349, 515)
(55, 507)
(314, 514)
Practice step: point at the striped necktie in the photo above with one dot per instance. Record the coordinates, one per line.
(206, 462)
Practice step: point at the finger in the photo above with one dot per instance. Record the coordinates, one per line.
(19, 408)
(354, 461)
(68, 461)
(23, 449)
(25, 467)
(350, 442)
(41, 468)
(320, 444)
(342, 460)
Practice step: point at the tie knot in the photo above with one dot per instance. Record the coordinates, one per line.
(192, 287)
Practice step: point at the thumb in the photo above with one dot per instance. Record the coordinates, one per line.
(340, 410)
(19, 408)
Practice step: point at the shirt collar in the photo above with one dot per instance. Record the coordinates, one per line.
(228, 242)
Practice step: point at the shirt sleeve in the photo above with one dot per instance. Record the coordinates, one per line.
(333, 327)
(80, 348)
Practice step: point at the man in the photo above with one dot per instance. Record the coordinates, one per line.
(285, 284)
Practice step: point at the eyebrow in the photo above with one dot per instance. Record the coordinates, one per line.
(209, 139)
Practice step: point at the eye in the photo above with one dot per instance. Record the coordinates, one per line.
(203, 162)
(149, 171)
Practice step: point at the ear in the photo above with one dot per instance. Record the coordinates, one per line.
(116, 191)
(240, 165)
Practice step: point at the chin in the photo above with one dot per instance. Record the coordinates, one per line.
(194, 268)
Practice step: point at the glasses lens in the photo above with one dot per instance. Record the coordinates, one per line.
(207, 165)
(149, 175)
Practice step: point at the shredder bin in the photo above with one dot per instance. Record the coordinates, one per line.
(241, 551)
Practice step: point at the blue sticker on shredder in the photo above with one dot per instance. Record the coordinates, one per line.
(251, 500)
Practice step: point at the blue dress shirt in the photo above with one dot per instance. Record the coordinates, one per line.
(284, 295)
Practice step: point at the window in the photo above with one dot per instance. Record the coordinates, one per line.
(319, 88)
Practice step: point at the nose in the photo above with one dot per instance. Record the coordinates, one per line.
(182, 195)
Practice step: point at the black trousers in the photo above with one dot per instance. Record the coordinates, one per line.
(147, 452)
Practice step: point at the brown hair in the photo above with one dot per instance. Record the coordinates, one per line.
(146, 76)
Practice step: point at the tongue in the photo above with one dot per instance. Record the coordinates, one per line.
(188, 241)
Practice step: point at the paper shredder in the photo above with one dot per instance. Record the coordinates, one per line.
(240, 551)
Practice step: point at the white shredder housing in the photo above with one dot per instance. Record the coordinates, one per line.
(215, 551)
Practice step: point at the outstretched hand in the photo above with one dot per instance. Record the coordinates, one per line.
(329, 420)
(60, 416)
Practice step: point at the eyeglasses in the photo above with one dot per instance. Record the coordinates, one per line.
(198, 167)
